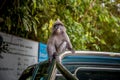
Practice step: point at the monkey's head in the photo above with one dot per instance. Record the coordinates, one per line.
(58, 28)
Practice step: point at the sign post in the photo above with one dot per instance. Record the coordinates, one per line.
(43, 52)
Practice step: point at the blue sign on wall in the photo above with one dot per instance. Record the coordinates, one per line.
(42, 52)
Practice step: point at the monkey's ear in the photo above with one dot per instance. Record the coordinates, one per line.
(58, 20)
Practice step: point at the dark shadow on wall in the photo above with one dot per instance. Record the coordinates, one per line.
(3, 47)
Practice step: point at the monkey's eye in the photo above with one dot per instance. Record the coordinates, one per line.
(55, 27)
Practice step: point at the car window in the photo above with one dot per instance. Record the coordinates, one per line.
(98, 74)
(39, 71)
(27, 74)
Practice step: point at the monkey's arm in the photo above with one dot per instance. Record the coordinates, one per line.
(69, 45)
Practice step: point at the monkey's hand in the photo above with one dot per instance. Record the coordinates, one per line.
(50, 60)
(52, 57)
(73, 51)
(55, 55)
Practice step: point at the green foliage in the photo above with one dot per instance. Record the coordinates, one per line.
(91, 24)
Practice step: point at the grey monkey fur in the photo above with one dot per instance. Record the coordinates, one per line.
(59, 41)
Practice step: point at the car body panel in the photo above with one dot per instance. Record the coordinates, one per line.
(87, 62)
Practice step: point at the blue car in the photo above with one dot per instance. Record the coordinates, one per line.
(84, 65)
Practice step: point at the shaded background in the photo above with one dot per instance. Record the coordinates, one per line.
(91, 24)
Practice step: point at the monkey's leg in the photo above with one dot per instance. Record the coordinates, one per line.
(62, 47)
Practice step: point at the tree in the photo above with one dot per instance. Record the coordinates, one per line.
(91, 24)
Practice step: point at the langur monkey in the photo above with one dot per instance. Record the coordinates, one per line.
(59, 41)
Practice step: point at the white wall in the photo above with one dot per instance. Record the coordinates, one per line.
(22, 53)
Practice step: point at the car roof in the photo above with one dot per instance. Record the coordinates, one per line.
(94, 53)
(90, 56)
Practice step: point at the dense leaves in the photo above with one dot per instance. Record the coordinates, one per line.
(91, 24)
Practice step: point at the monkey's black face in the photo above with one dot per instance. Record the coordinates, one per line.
(58, 29)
